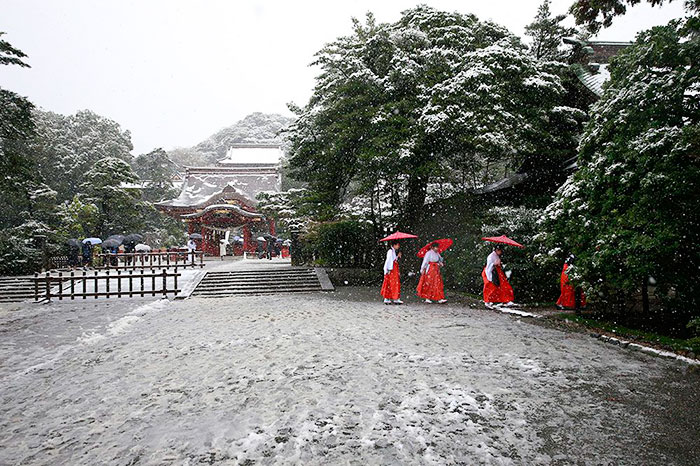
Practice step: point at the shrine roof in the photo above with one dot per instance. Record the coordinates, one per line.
(201, 188)
(252, 155)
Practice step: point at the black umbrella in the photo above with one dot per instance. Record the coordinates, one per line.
(133, 238)
(195, 236)
(74, 243)
(110, 243)
(117, 238)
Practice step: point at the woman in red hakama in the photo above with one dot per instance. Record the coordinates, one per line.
(391, 288)
(496, 286)
(567, 298)
(430, 286)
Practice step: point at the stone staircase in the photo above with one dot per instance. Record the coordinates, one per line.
(16, 289)
(262, 281)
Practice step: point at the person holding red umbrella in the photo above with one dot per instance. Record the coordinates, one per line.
(570, 297)
(391, 288)
(496, 287)
(430, 286)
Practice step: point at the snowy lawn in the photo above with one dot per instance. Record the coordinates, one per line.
(328, 379)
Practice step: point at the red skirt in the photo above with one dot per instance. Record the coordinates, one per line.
(497, 294)
(430, 285)
(567, 298)
(391, 288)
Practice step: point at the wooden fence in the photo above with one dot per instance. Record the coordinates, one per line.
(146, 260)
(122, 284)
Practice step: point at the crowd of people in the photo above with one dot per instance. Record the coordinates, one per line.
(497, 290)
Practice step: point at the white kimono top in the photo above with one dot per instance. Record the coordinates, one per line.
(430, 256)
(491, 262)
(389, 262)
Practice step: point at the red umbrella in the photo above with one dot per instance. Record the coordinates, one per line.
(503, 239)
(444, 243)
(398, 235)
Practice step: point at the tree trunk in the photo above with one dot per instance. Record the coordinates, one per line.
(415, 200)
(645, 297)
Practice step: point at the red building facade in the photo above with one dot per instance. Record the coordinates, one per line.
(219, 201)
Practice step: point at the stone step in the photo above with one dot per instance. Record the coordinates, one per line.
(258, 282)
(16, 292)
(260, 287)
(281, 274)
(223, 294)
(225, 280)
(16, 299)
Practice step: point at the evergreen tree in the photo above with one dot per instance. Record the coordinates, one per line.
(434, 98)
(597, 14)
(547, 33)
(78, 219)
(632, 210)
(156, 171)
(66, 147)
(16, 126)
(120, 207)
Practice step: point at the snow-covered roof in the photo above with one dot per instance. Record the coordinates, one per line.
(593, 77)
(252, 154)
(505, 183)
(234, 208)
(206, 185)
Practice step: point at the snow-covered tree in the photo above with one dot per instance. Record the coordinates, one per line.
(77, 218)
(66, 147)
(156, 171)
(120, 208)
(546, 32)
(435, 96)
(632, 210)
(596, 14)
(16, 126)
(287, 208)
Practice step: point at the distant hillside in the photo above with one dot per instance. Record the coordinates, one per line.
(254, 128)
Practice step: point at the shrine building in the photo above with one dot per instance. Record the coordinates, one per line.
(220, 201)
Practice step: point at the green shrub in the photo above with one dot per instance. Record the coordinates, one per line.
(345, 243)
(531, 281)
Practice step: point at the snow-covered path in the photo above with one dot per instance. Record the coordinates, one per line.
(328, 379)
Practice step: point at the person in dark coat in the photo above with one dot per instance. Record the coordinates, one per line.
(270, 248)
(129, 248)
(87, 254)
(73, 256)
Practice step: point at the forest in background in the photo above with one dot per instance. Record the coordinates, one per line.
(75, 176)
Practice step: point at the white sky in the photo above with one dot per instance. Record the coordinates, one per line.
(175, 71)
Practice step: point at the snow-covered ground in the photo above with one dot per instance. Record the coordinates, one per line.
(328, 379)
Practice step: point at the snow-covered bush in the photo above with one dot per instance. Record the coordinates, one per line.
(632, 210)
(345, 243)
(532, 281)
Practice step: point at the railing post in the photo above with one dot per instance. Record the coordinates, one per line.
(84, 285)
(60, 286)
(165, 283)
(48, 287)
(72, 285)
(96, 284)
(131, 283)
(153, 282)
(36, 286)
(175, 290)
(119, 283)
(107, 285)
